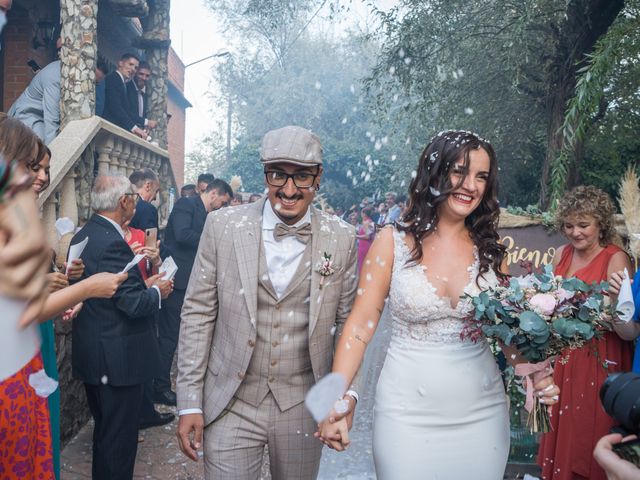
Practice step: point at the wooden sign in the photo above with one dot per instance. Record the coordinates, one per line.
(533, 243)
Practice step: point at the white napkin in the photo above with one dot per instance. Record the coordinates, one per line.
(625, 307)
(64, 225)
(168, 268)
(42, 384)
(136, 260)
(75, 251)
(320, 400)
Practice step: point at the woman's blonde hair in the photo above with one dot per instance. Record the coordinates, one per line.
(589, 201)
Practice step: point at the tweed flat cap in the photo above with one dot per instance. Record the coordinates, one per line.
(292, 145)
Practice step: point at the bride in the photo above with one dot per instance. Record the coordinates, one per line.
(440, 407)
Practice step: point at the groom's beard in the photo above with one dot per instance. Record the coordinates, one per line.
(279, 211)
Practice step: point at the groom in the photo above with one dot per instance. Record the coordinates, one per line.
(259, 320)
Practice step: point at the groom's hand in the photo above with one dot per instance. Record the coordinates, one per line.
(334, 435)
(190, 428)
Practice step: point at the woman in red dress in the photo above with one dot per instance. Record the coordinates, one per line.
(585, 215)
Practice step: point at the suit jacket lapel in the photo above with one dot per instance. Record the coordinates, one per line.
(321, 244)
(248, 237)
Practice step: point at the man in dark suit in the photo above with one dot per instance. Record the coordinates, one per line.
(116, 106)
(137, 94)
(147, 184)
(182, 237)
(115, 349)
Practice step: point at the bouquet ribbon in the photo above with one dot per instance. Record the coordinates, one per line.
(533, 372)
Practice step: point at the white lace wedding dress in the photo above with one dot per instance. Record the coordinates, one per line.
(440, 408)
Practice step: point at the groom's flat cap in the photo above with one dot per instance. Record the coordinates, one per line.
(291, 145)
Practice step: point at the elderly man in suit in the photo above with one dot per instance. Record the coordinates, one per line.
(182, 237)
(116, 107)
(260, 319)
(114, 344)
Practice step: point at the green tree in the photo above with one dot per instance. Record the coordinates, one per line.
(507, 68)
(598, 131)
(316, 85)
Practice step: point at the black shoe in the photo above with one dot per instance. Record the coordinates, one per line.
(165, 398)
(157, 420)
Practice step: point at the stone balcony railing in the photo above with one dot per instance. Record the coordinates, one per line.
(89, 147)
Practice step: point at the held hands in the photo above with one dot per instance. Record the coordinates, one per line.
(334, 431)
(105, 284)
(165, 286)
(72, 313)
(57, 281)
(151, 253)
(75, 270)
(189, 434)
(139, 132)
(615, 283)
(615, 467)
(547, 391)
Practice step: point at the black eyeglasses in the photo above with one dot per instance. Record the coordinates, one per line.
(136, 196)
(276, 178)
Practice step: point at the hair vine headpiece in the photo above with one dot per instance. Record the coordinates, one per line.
(456, 136)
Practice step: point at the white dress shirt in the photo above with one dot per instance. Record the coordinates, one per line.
(283, 257)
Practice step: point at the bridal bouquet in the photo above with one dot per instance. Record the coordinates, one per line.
(542, 316)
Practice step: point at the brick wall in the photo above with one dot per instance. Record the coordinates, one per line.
(17, 49)
(176, 132)
(176, 107)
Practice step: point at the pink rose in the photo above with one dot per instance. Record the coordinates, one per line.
(564, 294)
(543, 303)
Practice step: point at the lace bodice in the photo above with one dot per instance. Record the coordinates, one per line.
(417, 312)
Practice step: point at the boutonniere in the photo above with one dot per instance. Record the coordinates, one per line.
(325, 267)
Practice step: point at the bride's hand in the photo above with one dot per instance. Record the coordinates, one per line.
(334, 435)
(547, 391)
(346, 414)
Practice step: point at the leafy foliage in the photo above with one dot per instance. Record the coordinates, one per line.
(620, 47)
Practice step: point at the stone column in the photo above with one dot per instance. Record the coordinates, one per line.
(104, 152)
(124, 158)
(155, 41)
(49, 216)
(79, 19)
(114, 155)
(68, 201)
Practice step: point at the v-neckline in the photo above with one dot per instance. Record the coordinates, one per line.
(422, 271)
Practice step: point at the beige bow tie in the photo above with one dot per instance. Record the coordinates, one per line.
(302, 233)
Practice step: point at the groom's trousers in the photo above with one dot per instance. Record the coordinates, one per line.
(234, 442)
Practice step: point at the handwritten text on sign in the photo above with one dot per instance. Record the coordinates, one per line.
(533, 244)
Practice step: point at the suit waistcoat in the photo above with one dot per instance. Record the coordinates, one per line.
(281, 362)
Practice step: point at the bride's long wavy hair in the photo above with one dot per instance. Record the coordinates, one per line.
(431, 187)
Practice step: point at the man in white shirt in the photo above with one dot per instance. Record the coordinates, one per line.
(260, 318)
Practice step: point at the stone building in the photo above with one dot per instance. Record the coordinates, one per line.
(86, 144)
